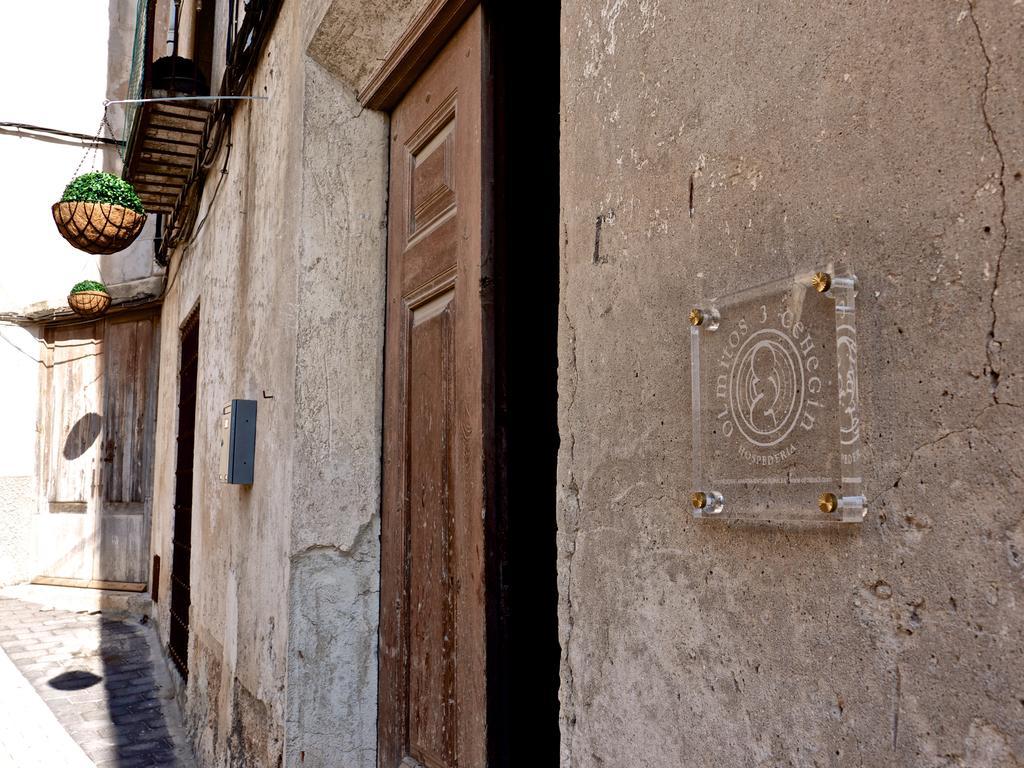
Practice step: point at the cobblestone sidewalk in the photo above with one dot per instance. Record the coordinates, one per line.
(98, 675)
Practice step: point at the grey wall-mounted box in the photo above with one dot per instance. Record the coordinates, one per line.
(238, 442)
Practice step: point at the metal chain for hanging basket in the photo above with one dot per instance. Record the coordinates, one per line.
(97, 228)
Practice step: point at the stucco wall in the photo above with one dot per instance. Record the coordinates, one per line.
(289, 273)
(19, 386)
(17, 535)
(334, 551)
(888, 134)
(241, 272)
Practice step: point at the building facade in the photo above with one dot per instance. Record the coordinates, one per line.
(450, 253)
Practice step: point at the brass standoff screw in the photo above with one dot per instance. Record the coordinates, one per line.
(821, 281)
(696, 317)
(699, 500)
(827, 503)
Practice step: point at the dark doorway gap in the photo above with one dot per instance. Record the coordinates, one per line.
(202, 48)
(523, 649)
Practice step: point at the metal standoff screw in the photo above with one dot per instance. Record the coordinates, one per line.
(696, 317)
(821, 281)
(699, 500)
(827, 503)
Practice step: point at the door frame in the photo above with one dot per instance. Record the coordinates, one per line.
(426, 35)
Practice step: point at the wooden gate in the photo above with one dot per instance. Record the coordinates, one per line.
(98, 416)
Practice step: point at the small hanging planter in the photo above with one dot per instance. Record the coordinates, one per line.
(89, 299)
(99, 213)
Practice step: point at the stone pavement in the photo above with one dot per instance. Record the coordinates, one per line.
(99, 673)
(30, 736)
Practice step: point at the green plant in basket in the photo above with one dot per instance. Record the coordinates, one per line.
(89, 298)
(99, 213)
(99, 187)
(89, 285)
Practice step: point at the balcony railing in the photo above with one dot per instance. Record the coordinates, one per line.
(165, 138)
(140, 55)
(171, 142)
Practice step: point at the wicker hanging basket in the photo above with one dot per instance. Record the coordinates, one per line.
(89, 303)
(98, 228)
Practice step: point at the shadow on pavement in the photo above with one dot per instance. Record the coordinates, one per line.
(96, 675)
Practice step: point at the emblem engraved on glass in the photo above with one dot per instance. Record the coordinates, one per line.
(776, 420)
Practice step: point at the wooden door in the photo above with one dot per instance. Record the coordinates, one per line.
(126, 456)
(184, 471)
(70, 410)
(99, 416)
(433, 693)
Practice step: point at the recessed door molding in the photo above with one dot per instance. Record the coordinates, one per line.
(429, 31)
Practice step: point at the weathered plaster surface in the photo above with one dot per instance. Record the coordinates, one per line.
(241, 271)
(289, 273)
(1002, 108)
(353, 36)
(889, 135)
(17, 534)
(340, 314)
(332, 664)
(19, 388)
(333, 601)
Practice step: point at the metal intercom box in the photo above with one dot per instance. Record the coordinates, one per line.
(238, 442)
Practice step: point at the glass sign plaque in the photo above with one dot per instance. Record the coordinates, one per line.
(776, 424)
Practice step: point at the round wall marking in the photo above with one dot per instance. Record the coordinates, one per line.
(766, 387)
(768, 383)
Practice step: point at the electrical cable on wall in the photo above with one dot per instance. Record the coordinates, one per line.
(161, 99)
(202, 222)
(37, 129)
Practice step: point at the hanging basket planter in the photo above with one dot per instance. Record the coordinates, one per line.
(99, 213)
(89, 299)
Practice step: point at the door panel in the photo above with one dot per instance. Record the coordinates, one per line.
(122, 548)
(432, 616)
(67, 523)
(437, 383)
(75, 420)
(128, 412)
(129, 421)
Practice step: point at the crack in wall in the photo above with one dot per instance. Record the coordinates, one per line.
(350, 550)
(602, 219)
(913, 454)
(992, 345)
(570, 507)
(568, 713)
(896, 709)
